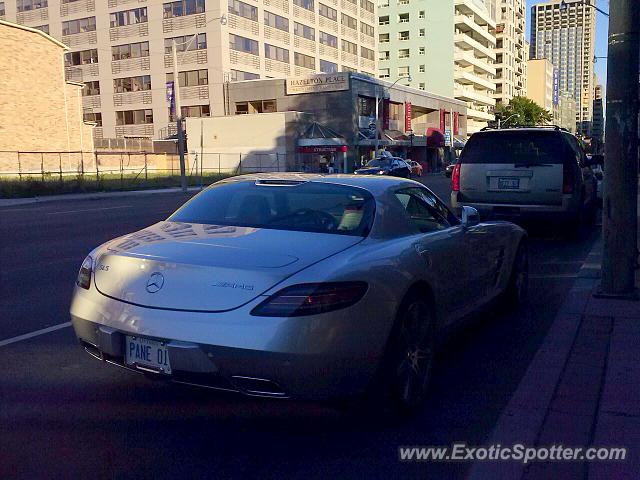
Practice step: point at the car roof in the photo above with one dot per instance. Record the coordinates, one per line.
(376, 185)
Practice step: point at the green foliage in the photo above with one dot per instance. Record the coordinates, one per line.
(523, 112)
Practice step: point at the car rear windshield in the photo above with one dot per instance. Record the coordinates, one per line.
(280, 205)
(379, 162)
(515, 147)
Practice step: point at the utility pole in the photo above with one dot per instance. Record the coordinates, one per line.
(178, 112)
(620, 213)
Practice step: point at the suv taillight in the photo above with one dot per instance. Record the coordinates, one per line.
(568, 178)
(455, 178)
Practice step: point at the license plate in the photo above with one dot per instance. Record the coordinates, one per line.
(145, 353)
(509, 183)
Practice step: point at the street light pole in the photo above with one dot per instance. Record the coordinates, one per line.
(378, 99)
(178, 112)
(620, 215)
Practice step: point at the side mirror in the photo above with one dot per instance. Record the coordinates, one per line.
(470, 217)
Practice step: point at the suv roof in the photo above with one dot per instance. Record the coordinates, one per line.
(527, 128)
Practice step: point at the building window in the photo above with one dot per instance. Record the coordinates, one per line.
(367, 5)
(422, 32)
(85, 57)
(368, 53)
(383, 20)
(422, 86)
(384, 55)
(383, 38)
(421, 51)
(304, 31)
(304, 61)
(403, 72)
(403, 36)
(349, 47)
(276, 53)
(421, 68)
(243, 10)
(93, 117)
(79, 26)
(306, 4)
(328, 39)
(42, 28)
(242, 44)
(2, 9)
(191, 78)
(134, 117)
(182, 8)
(328, 67)
(186, 43)
(403, 18)
(328, 12)
(91, 88)
(238, 75)
(192, 111)
(129, 17)
(276, 21)
(421, 14)
(131, 50)
(403, 53)
(26, 5)
(256, 106)
(132, 84)
(349, 22)
(384, 73)
(367, 29)
(366, 106)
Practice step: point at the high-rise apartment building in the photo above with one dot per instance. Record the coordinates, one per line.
(474, 58)
(416, 38)
(564, 32)
(511, 55)
(597, 128)
(540, 86)
(121, 50)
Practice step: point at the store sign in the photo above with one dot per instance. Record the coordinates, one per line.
(447, 138)
(556, 86)
(323, 149)
(407, 116)
(332, 82)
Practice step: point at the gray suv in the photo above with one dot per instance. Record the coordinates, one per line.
(525, 172)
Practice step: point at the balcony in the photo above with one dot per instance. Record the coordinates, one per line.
(143, 130)
(465, 24)
(328, 51)
(116, 3)
(480, 15)
(275, 66)
(479, 115)
(237, 22)
(329, 25)
(198, 92)
(80, 73)
(302, 71)
(281, 5)
(475, 96)
(243, 58)
(367, 64)
(198, 20)
(84, 38)
(367, 17)
(469, 78)
(349, 58)
(131, 98)
(304, 43)
(349, 7)
(465, 42)
(467, 59)
(349, 33)
(33, 17)
(367, 40)
(90, 102)
(128, 31)
(271, 33)
(140, 63)
(304, 14)
(185, 58)
(80, 6)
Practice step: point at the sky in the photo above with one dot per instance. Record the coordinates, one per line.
(600, 67)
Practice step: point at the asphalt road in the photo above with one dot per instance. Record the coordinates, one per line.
(64, 414)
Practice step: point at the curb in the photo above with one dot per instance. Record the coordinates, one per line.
(523, 418)
(9, 202)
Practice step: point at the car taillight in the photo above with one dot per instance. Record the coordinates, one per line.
(311, 299)
(455, 178)
(567, 178)
(84, 275)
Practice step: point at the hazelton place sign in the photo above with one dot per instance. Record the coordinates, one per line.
(331, 82)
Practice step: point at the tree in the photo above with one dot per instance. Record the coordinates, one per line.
(522, 111)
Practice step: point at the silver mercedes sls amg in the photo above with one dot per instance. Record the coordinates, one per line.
(293, 285)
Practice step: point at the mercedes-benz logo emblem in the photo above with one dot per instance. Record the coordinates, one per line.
(155, 282)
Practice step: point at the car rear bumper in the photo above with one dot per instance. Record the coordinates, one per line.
(565, 210)
(314, 357)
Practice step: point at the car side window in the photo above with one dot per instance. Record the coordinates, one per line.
(421, 215)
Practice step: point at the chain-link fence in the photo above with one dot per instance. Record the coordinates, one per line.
(23, 173)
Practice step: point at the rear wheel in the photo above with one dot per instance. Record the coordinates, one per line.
(517, 290)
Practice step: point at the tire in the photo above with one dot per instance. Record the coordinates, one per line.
(408, 366)
(516, 292)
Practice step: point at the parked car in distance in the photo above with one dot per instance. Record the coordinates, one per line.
(416, 168)
(393, 166)
(525, 172)
(232, 291)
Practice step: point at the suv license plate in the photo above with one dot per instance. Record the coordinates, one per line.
(147, 354)
(509, 183)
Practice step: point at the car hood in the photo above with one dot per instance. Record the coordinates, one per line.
(194, 267)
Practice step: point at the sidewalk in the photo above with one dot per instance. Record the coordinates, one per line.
(582, 389)
(10, 202)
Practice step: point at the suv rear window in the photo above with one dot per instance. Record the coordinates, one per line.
(515, 147)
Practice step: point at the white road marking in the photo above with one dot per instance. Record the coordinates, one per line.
(37, 333)
(89, 210)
